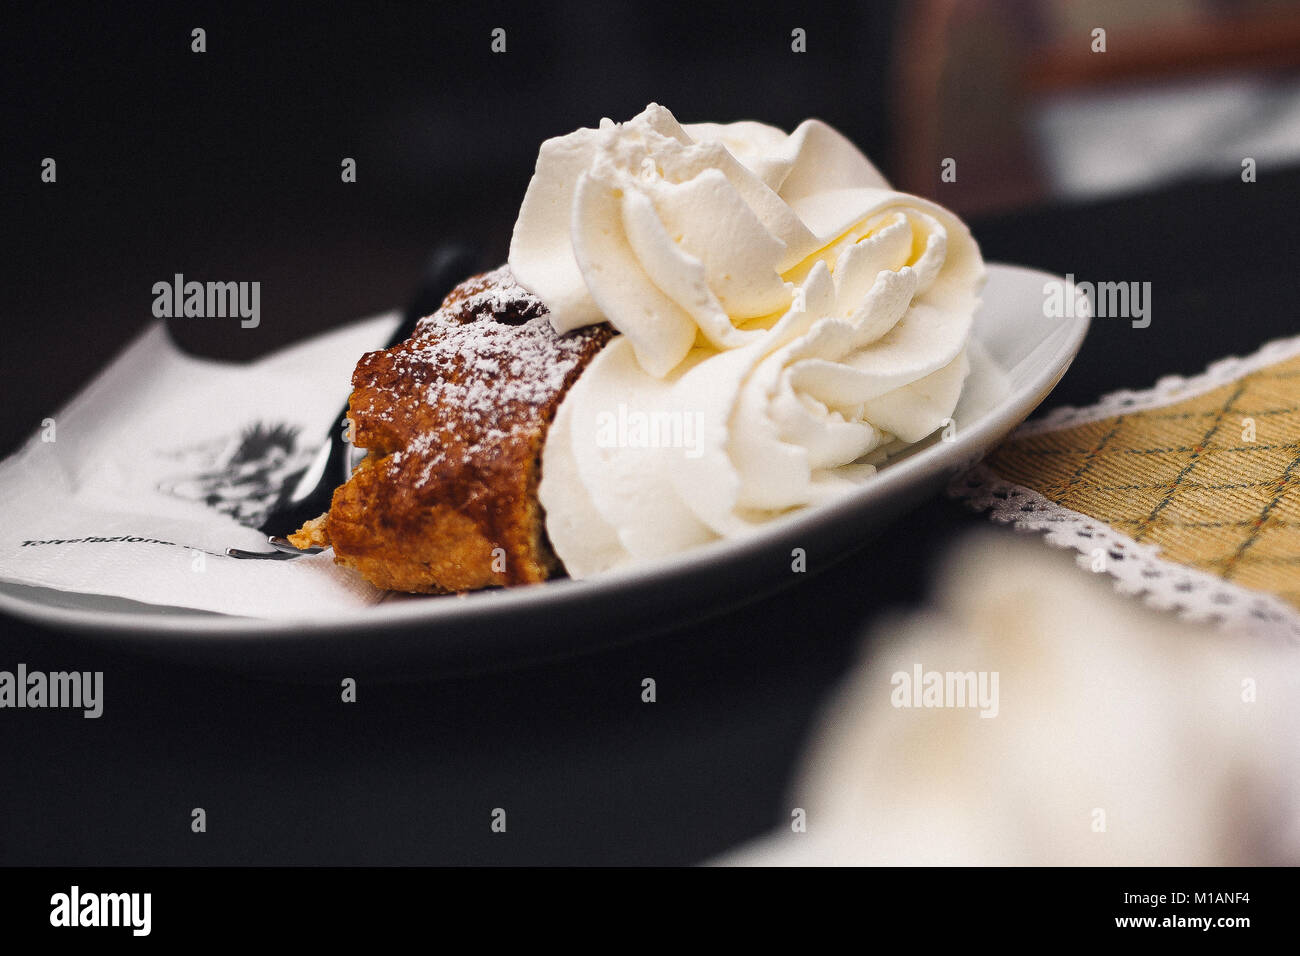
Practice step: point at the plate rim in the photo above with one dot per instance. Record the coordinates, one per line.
(976, 439)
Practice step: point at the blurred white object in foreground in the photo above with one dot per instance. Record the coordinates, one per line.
(1116, 736)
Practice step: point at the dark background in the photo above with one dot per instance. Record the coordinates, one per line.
(225, 165)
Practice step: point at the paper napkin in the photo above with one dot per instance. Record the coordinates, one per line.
(137, 487)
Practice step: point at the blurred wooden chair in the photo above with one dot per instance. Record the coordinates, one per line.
(968, 74)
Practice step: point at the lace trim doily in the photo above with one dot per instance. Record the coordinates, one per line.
(1166, 391)
(1137, 569)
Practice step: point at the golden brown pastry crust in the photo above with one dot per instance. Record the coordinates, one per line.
(453, 420)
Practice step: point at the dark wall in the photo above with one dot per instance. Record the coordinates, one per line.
(226, 164)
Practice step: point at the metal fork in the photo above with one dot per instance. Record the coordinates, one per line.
(448, 265)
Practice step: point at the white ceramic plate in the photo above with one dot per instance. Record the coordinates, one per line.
(1017, 354)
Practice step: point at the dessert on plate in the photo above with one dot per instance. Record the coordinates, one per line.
(453, 421)
(700, 328)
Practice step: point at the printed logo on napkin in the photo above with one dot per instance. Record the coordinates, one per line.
(245, 474)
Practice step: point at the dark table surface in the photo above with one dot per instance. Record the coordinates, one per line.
(587, 772)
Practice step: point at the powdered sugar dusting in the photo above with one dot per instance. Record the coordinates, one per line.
(484, 369)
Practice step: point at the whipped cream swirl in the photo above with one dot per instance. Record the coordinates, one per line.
(672, 233)
(786, 318)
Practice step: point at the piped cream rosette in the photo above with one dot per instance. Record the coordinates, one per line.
(675, 235)
(784, 315)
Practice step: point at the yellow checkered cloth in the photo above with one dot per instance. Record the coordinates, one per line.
(1212, 480)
